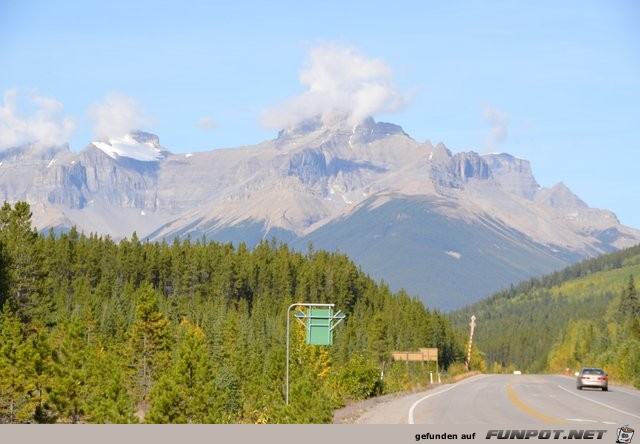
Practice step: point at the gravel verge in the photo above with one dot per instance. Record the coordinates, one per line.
(350, 413)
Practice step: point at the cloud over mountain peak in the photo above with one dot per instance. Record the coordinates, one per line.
(339, 81)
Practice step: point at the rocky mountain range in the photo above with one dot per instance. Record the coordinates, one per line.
(448, 228)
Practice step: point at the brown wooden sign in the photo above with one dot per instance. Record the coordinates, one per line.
(424, 354)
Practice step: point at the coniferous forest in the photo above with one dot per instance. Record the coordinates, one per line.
(98, 331)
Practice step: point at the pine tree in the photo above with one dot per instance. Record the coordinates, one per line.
(41, 370)
(109, 402)
(5, 275)
(24, 263)
(25, 372)
(150, 343)
(629, 302)
(185, 394)
(71, 388)
(14, 381)
(630, 309)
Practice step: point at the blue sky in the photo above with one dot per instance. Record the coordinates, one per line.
(554, 82)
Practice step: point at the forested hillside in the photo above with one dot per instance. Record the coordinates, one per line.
(585, 315)
(97, 331)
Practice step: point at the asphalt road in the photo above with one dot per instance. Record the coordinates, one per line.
(536, 400)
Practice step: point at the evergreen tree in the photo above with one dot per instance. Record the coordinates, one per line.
(5, 276)
(25, 261)
(185, 394)
(150, 343)
(629, 302)
(15, 383)
(109, 402)
(72, 385)
(25, 373)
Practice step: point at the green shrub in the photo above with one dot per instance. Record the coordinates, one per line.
(359, 379)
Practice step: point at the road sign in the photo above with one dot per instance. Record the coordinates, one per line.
(319, 324)
(424, 354)
(430, 354)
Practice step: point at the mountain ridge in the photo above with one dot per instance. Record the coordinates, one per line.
(314, 177)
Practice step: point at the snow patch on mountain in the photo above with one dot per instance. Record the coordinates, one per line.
(132, 147)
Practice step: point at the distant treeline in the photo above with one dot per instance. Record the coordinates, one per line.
(587, 314)
(97, 331)
(612, 261)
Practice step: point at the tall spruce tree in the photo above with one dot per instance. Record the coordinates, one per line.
(15, 383)
(72, 386)
(25, 261)
(629, 302)
(185, 394)
(150, 343)
(109, 402)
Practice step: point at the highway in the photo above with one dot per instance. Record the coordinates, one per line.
(535, 400)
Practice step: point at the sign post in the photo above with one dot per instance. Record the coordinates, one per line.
(473, 327)
(423, 355)
(319, 325)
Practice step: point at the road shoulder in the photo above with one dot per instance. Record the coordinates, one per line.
(387, 409)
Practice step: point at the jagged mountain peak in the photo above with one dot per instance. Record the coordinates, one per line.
(366, 131)
(441, 151)
(561, 197)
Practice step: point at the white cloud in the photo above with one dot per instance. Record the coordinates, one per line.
(118, 115)
(339, 80)
(26, 117)
(206, 123)
(498, 128)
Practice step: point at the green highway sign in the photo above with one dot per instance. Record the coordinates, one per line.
(319, 324)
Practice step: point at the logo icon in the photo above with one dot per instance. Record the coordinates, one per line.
(624, 435)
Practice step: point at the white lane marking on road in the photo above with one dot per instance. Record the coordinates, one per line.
(581, 420)
(618, 389)
(598, 402)
(430, 395)
(634, 393)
